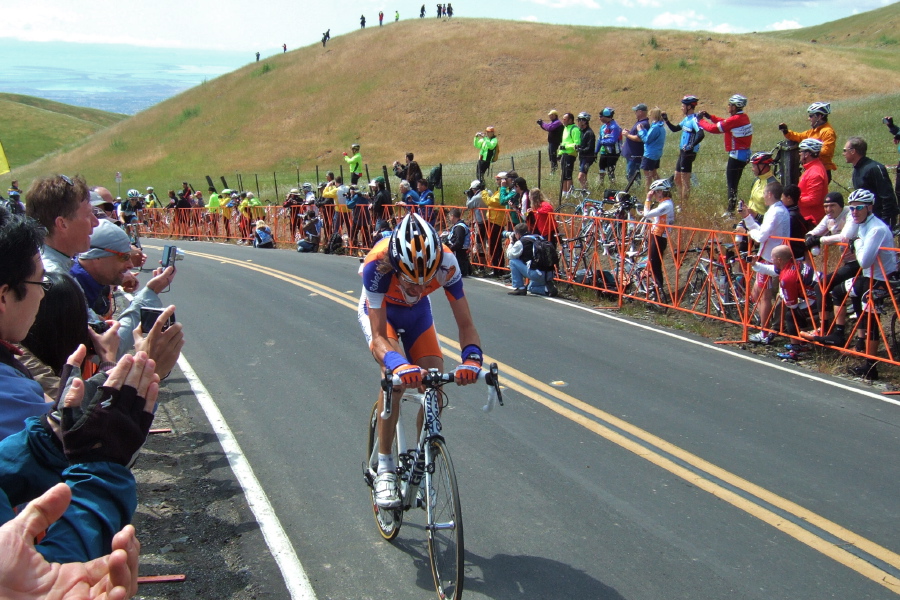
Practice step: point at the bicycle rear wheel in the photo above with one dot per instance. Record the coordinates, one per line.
(389, 520)
(445, 529)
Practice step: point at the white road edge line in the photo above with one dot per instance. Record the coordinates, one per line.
(709, 346)
(292, 571)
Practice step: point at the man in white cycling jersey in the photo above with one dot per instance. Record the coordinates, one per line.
(398, 275)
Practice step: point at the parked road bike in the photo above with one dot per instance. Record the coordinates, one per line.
(426, 475)
(717, 287)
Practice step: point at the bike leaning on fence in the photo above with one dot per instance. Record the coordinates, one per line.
(427, 478)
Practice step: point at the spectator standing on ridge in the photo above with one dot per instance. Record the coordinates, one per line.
(554, 129)
(324, 39)
(609, 146)
(738, 138)
(486, 143)
(568, 149)
(354, 163)
(449, 11)
(587, 152)
(257, 57)
(813, 182)
(873, 176)
(380, 18)
(691, 136)
(654, 139)
(821, 130)
(396, 16)
(633, 149)
(362, 21)
(284, 46)
(63, 206)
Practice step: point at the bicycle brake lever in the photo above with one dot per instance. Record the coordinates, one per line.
(388, 395)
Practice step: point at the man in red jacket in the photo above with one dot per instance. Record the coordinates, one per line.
(738, 137)
(813, 182)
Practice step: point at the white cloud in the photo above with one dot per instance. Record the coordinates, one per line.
(786, 24)
(567, 3)
(640, 3)
(693, 21)
(621, 20)
(530, 18)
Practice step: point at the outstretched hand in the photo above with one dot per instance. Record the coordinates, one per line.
(25, 574)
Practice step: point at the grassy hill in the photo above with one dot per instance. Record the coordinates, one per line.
(879, 28)
(33, 127)
(427, 86)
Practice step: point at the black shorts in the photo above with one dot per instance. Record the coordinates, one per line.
(567, 163)
(585, 164)
(649, 164)
(685, 162)
(607, 161)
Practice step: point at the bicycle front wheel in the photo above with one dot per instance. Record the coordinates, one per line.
(445, 530)
(388, 520)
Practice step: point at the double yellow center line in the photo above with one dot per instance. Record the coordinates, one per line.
(867, 558)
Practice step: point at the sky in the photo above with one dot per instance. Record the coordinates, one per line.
(264, 26)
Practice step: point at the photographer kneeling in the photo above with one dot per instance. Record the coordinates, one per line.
(520, 253)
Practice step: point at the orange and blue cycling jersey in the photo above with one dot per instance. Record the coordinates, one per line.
(409, 318)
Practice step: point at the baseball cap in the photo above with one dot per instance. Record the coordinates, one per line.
(107, 236)
(640, 106)
(97, 199)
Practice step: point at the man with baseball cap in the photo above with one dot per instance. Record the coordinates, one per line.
(633, 150)
(554, 129)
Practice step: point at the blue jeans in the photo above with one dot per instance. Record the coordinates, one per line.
(634, 166)
(519, 272)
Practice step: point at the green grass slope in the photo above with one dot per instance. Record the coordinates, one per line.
(427, 86)
(879, 28)
(33, 127)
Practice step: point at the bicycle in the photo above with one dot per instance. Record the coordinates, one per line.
(430, 459)
(714, 286)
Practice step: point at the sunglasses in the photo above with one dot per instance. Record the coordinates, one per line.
(857, 208)
(122, 256)
(66, 179)
(44, 283)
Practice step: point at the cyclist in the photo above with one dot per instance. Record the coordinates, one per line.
(130, 212)
(664, 214)
(587, 154)
(691, 136)
(738, 136)
(609, 145)
(820, 129)
(813, 182)
(398, 275)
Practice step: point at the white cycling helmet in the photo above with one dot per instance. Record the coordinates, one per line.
(738, 100)
(149, 188)
(133, 193)
(822, 108)
(415, 250)
(861, 195)
(812, 145)
(661, 185)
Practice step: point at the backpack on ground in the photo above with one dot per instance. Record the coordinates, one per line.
(604, 280)
(335, 244)
(544, 254)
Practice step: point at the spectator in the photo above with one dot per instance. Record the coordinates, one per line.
(871, 175)
(541, 216)
(294, 203)
(691, 136)
(523, 200)
(408, 196)
(554, 129)
(362, 25)
(153, 201)
(761, 166)
(63, 206)
(797, 288)
(214, 208)
(790, 197)
(183, 206)
(380, 18)
(889, 121)
(476, 201)
(449, 11)
(509, 198)
(568, 149)
(660, 217)
(14, 199)
(338, 192)
(821, 130)
(410, 171)
(738, 137)
(868, 235)
(519, 253)
(587, 153)
(354, 163)
(312, 233)
(396, 16)
(653, 138)
(609, 146)
(813, 182)
(381, 202)
(496, 223)
(359, 204)
(105, 265)
(775, 227)
(632, 146)
(425, 202)
(459, 239)
(486, 143)
(262, 236)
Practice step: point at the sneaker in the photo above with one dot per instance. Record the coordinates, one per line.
(552, 290)
(518, 292)
(797, 347)
(864, 372)
(387, 494)
(761, 337)
(789, 355)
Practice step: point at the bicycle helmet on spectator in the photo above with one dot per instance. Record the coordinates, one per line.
(307, 187)
(762, 158)
(738, 100)
(812, 145)
(861, 195)
(354, 146)
(415, 250)
(584, 116)
(608, 112)
(132, 193)
(822, 108)
(689, 99)
(661, 185)
(149, 188)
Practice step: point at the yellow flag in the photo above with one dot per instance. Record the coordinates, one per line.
(4, 164)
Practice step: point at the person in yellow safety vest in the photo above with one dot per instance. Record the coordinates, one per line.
(486, 142)
(354, 163)
(568, 150)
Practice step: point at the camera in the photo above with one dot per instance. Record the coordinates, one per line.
(170, 254)
(99, 327)
(149, 316)
(888, 121)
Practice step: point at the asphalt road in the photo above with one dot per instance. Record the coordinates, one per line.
(627, 462)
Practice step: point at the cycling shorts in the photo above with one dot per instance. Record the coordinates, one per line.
(584, 164)
(685, 162)
(412, 326)
(649, 164)
(567, 163)
(607, 161)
